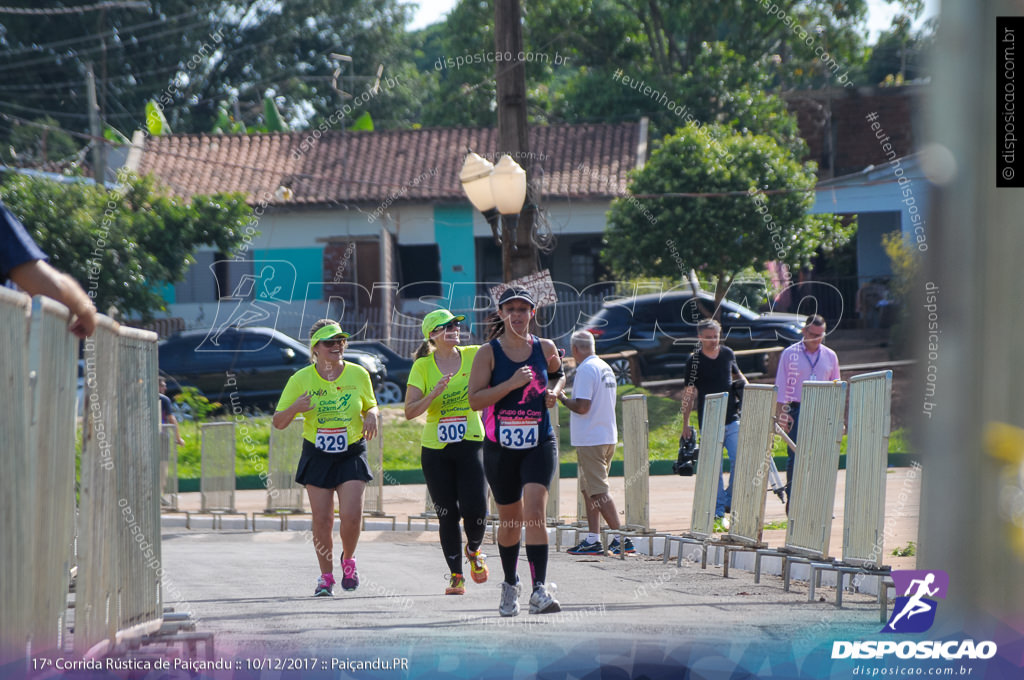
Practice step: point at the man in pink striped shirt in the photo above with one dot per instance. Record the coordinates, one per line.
(806, 360)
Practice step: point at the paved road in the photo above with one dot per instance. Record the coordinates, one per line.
(254, 592)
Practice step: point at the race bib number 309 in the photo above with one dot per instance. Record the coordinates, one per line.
(517, 434)
(332, 439)
(451, 429)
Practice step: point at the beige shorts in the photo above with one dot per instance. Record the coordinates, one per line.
(594, 462)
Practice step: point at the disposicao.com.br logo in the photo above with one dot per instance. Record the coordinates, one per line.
(914, 612)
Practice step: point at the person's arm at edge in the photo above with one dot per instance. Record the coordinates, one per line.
(551, 352)
(39, 278)
(371, 415)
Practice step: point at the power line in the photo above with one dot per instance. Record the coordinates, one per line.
(97, 36)
(78, 54)
(78, 9)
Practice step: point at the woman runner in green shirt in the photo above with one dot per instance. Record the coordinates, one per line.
(336, 398)
(451, 454)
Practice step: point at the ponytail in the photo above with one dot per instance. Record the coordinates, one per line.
(424, 350)
(495, 326)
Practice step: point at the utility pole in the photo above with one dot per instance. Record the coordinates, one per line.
(99, 165)
(512, 133)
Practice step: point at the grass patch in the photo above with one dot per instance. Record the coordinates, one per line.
(664, 422)
(779, 524)
(402, 437)
(909, 550)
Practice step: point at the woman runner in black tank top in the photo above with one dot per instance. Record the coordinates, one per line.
(515, 378)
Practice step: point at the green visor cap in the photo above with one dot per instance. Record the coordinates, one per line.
(438, 317)
(331, 330)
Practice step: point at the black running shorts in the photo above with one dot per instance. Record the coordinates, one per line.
(508, 470)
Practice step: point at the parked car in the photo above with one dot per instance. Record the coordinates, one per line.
(261, 360)
(391, 390)
(662, 328)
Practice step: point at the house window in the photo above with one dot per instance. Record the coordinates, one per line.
(420, 270)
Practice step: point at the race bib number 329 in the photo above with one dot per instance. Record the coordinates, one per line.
(517, 434)
(332, 439)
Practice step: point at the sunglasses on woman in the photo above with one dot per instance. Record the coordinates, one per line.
(334, 342)
(446, 326)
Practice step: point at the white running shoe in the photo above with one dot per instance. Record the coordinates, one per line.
(542, 600)
(509, 605)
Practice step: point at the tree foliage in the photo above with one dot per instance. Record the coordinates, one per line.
(124, 245)
(764, 218)
(212, 63)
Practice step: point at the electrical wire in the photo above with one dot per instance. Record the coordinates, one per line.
(99, 36)
(77, 9)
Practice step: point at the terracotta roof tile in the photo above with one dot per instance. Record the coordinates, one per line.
(581, 161)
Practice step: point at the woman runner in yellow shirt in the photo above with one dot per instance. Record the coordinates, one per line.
(336, 398)
(451, 443)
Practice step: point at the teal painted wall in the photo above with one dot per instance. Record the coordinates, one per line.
(453, 233)
(308, 263)
(168, 293)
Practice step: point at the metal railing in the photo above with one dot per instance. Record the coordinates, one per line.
(37, 474)
(118, 592)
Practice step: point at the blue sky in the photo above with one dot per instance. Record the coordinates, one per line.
(880, 13)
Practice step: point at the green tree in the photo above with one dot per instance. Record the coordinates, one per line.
(35, 144)
(124, 245)
(752, 207)
(135, 55)
(192, 55)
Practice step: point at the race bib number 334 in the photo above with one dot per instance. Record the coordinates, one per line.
(332, 439)
(517, 434)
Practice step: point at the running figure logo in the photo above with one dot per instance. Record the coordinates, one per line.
(256, 300)
(534, 388)
(914, 612)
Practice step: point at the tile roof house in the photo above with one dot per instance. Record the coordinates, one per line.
(341, 214)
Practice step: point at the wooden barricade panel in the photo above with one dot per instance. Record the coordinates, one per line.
(553, 507)
(284, 451)
(867, 451)
(709, 465)
(817, 465)
(53, 353)
(217, 465)
(373, 500)
(635, 463)
(16, 492)
(99, 568)
(168, 469)
(750, 478)
(138, 480)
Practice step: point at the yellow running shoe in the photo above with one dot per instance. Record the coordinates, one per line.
(457, 585)
(477, 566)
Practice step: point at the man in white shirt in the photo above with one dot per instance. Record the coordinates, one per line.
(593, 433)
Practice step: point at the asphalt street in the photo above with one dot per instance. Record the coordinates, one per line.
(254, 592)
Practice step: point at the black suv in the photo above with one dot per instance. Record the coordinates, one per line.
(662, 328)
(259, 359)
(392, 390)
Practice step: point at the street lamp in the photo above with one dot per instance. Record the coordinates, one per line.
(495, 191)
